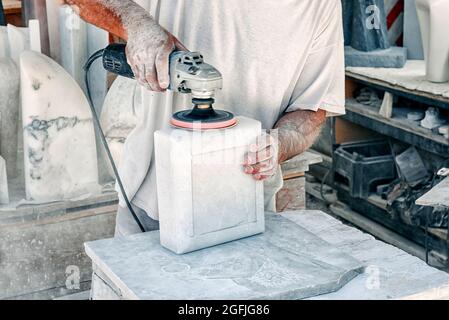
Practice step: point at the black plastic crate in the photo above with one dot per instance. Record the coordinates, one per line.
(364, 165)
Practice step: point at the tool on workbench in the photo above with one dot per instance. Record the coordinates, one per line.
(188, 74)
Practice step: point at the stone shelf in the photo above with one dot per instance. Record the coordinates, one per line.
(408, 82)
(398, 127)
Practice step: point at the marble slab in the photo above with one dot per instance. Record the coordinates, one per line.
(411, 77)
(53, 29)
(35, 31)
(412, 32)
(4, 42)
(390, 273)
(393, 57)
(120, 114)
(77, 41)
(286, 262)
(73, 43)
(204, 196)
(9, 113)
(4, 191)
(437, 197)
(97, 39)
(59, 139)
(36, 10)
(19, 41)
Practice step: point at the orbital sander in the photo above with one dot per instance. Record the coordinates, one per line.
(188, 74)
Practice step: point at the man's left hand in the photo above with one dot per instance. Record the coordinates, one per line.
(262, 159)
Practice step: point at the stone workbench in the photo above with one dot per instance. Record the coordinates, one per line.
(307, 255)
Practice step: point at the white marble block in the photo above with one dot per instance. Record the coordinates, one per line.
(433, 20)
(4, 42)
(19, 41)
(23, 39)
(73, 40)
(59, 140)
(4, 191)
(35, 31)
(53, 29)
(97, 39)
(120, 115)
(204, 196)
(9, 113)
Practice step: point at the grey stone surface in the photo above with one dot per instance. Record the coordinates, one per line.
(437, 197)
(411, 77)
(9, 113)
(394, 57)
(390, 273)
(42, 257)
(365, 24)
(286, 262)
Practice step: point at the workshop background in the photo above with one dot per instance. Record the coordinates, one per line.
(380, 167)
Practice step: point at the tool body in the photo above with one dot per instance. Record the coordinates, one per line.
(188, 74)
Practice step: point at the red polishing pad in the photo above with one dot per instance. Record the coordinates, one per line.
(203, 119)
(198, 125)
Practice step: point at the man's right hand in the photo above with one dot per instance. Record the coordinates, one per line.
(149, 45)
(148, 51)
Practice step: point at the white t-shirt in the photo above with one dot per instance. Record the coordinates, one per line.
(275, 57)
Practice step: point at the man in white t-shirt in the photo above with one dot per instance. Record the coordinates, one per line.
(282, 64)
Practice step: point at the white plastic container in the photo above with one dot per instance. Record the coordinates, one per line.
(204, 196)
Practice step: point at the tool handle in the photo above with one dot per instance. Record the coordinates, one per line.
(115, 61)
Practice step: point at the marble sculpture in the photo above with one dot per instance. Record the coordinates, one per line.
(120, 115)
(58, 133)
(366, 36)
(434, 22)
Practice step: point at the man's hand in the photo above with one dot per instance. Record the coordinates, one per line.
(149, 45)
(295, 133)
(262, 159)
(148, 51)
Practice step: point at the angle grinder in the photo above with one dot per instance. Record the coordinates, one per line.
(188, 74)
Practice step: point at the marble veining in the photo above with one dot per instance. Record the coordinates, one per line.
(43, 132)
(60, 157)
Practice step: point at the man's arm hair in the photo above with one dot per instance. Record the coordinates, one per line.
(110, 15)
(297, 131)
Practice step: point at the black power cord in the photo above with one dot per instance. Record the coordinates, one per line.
(87, 66)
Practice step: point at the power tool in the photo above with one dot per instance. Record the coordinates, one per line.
(188, 74)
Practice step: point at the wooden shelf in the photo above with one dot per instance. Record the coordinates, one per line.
(12, 6)
(397, 127)
(13, 12)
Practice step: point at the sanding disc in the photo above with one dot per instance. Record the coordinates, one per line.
(218, 119)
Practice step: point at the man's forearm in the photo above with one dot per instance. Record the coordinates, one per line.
(118, 17)
(297, 131)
